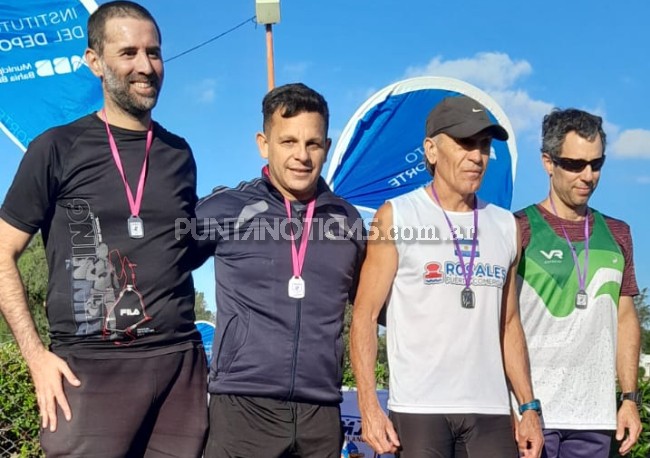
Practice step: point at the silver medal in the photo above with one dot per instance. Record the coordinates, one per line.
(581, 300)
(136, 227)
(467, 298)
(296, 288)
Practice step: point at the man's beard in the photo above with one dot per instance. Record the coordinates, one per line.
(118, 90)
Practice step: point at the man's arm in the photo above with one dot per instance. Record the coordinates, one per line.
(515, 356)
(45, 367)
(627, 367)
(205, 229)
(377, 276)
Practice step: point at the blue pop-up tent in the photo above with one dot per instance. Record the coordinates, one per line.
(379, 154)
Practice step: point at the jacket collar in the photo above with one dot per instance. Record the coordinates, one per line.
(324, 194)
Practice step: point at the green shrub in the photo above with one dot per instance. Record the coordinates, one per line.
(19, 419)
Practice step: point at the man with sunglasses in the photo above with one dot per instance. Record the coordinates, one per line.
(576, 283)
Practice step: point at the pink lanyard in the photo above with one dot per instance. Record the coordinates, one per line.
(134, 204)
(298, 256)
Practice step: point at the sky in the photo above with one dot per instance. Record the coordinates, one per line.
(529, 56)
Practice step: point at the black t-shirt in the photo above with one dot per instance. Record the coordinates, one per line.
(107, 290)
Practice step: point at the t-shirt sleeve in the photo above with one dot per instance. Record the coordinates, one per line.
(206, 228)
(31, 197)
(524, 228)
(623, 237)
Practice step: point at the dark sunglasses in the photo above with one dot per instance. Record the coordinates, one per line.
(578, 165)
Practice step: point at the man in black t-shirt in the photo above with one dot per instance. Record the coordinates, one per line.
(125, 368)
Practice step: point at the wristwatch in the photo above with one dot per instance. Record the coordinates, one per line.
(532, 405)
(634, 396)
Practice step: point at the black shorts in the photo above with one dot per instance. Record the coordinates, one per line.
(253, 427)
(155, 406)
(454, 435)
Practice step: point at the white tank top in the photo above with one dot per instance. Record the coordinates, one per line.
(444, 358)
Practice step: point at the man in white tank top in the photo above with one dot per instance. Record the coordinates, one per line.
(453, 330)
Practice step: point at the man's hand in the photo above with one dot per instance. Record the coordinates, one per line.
(528, 434)
(627, 419)
(47, 371)
(378, 431)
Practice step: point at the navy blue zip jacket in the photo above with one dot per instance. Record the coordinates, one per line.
(266, 343)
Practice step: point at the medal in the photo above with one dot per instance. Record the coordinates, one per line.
(582, 298)
(296, 288)
(136, 227)
(467, 298)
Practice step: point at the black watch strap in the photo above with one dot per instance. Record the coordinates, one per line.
(634, 396)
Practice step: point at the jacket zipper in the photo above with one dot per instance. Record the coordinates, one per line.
(296, 332)
(294, 361)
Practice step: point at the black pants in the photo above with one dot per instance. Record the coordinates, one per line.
(155, 406)
(454, 435)
(252, 427)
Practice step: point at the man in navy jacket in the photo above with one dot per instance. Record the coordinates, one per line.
(287, 256)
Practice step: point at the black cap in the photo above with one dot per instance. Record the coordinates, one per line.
(461, 117)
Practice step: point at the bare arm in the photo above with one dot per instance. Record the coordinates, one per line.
(627, 367)
(13, 302)
(45, 367)
(377, 276)
(517, 366)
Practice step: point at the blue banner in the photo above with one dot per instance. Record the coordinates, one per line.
(354, 446)
(44, 80)
(380, 156)
(207, 336)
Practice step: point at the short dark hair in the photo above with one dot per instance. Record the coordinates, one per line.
(558, 123)
(294, 99)
(122, 8)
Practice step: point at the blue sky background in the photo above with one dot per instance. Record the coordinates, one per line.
(530, 56)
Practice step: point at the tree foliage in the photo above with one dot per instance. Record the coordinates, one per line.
(201, 308)
(19, 420)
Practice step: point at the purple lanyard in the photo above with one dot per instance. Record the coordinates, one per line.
(467, 273)
(582, 274)
(134, 204)
(298, 256)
